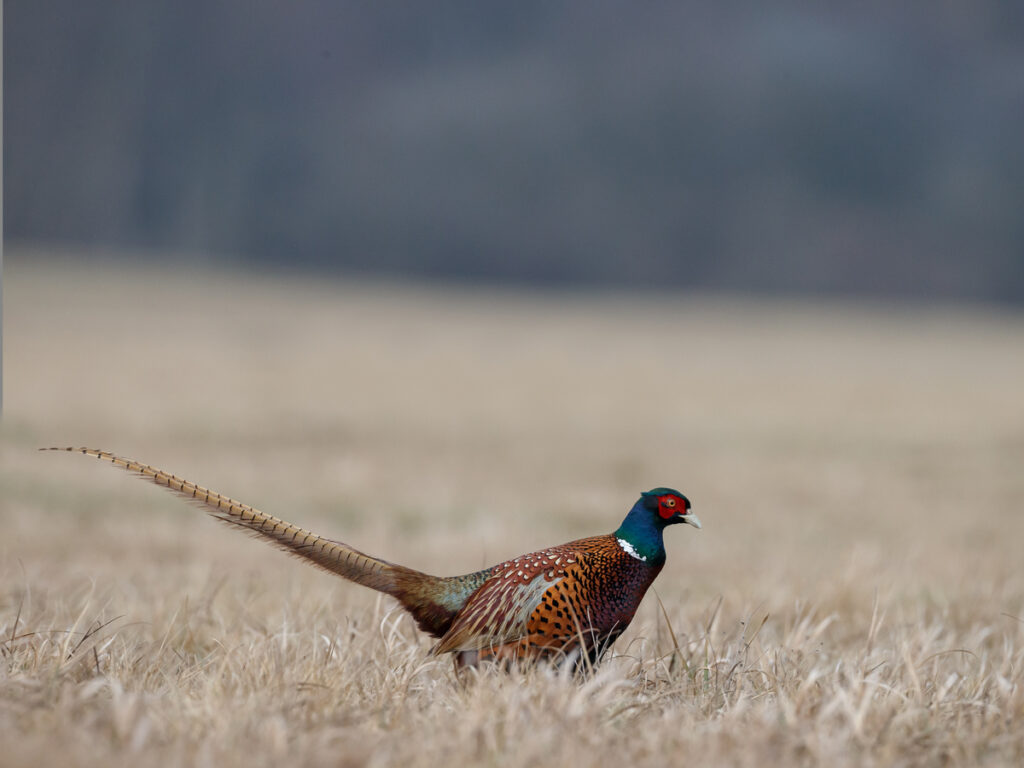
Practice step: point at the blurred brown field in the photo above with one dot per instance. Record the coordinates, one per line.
(856, 595)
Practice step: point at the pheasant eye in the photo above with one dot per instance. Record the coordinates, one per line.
(670, 502)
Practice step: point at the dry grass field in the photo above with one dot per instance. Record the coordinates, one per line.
(856, 596)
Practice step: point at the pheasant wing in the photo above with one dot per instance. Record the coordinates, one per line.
(499, 611)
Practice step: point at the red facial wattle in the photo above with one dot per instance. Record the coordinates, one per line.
(676, 509)
(668, 506)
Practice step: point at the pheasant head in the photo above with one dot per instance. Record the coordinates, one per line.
(641, 532)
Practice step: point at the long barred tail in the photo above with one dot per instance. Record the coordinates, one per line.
(333, 556)
(433, 601)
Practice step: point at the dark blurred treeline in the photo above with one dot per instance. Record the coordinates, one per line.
(842, 147)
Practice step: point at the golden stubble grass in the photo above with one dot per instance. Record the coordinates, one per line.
(855, 597)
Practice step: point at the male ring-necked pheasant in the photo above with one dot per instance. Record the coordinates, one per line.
(570, 601)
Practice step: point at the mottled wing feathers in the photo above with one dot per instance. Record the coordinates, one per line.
(499, 612)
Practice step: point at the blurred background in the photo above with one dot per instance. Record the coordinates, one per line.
(873, 149)
(456, 281)
(514, 266)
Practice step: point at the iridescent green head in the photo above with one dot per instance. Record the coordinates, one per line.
(641, 532)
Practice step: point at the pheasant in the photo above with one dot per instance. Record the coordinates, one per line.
(570, 601)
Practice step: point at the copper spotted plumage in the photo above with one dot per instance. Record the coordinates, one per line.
(568, 602)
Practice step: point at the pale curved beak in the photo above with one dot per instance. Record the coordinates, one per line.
(692, 519)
